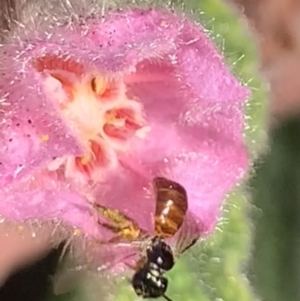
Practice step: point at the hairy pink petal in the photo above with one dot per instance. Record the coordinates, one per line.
(32, 132)
(180, 116)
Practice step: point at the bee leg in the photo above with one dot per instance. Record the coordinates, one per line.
(113, 215)
(117, 239)
(123, 233)
(113, 240)
(139, 264)
(112, 228)
(132, 267)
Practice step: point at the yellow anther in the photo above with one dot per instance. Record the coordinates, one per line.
(99, 85)
(85, 160)
(126, 232)
(20, 228)
(45, 138)
(76, 232)
(110, 117)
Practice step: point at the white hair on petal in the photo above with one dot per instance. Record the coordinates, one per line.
(18, 15)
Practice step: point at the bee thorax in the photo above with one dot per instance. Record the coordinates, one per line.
(160, 254)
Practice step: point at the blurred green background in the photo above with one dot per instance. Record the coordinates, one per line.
(254, 254)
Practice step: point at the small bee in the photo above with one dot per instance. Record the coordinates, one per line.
(157, 256)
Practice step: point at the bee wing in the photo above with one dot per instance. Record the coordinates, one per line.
(111, 259)
(69, 270)
(66, 279)
(188, 235)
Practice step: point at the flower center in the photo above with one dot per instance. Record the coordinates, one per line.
(97, 108)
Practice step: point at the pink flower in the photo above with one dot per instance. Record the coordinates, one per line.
(93, 110)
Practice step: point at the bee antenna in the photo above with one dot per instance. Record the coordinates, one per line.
(167, 298)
